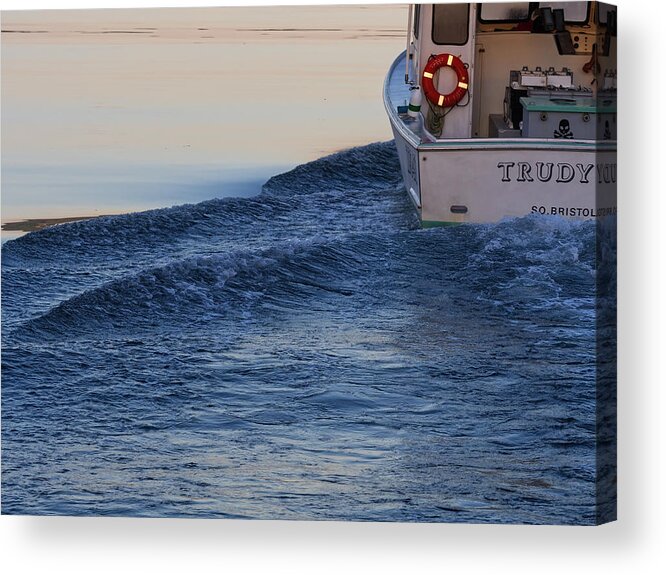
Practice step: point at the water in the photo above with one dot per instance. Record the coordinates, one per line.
(111, 111)
(308, 353)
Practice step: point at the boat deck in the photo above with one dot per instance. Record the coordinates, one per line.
(396, 99)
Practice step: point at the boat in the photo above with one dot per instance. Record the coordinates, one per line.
(507, 109)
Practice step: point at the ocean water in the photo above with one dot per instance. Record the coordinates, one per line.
(308, 353)
(123, 110)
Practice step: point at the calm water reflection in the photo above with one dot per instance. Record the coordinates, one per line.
(106, 111)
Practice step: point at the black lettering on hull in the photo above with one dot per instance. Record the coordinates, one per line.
(560, 173)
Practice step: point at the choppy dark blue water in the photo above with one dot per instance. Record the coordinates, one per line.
(308, 353)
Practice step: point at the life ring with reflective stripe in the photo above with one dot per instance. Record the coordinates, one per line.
(434, 64)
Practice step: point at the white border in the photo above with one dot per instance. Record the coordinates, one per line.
(631, 545)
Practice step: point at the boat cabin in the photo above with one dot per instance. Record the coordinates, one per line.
(514, 70)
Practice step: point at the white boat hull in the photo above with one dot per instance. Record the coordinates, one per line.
(487, 180)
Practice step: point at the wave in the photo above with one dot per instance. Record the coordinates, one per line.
(520, 267)
(531, 263)
(372, 167)
(359, 181)
(198, 289)
(358, 190)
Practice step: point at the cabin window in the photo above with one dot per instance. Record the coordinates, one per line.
(417, 20)
(450, 24)
(603, 10)
(505, 12)
(574, 12)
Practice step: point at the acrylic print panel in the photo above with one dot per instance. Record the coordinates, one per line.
(240, 312)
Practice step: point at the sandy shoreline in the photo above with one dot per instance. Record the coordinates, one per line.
(32, 225)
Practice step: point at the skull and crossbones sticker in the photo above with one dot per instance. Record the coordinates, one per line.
(564, 130)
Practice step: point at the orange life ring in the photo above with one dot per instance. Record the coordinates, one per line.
(434, 64)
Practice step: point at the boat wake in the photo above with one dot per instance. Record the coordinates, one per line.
(306, 353)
